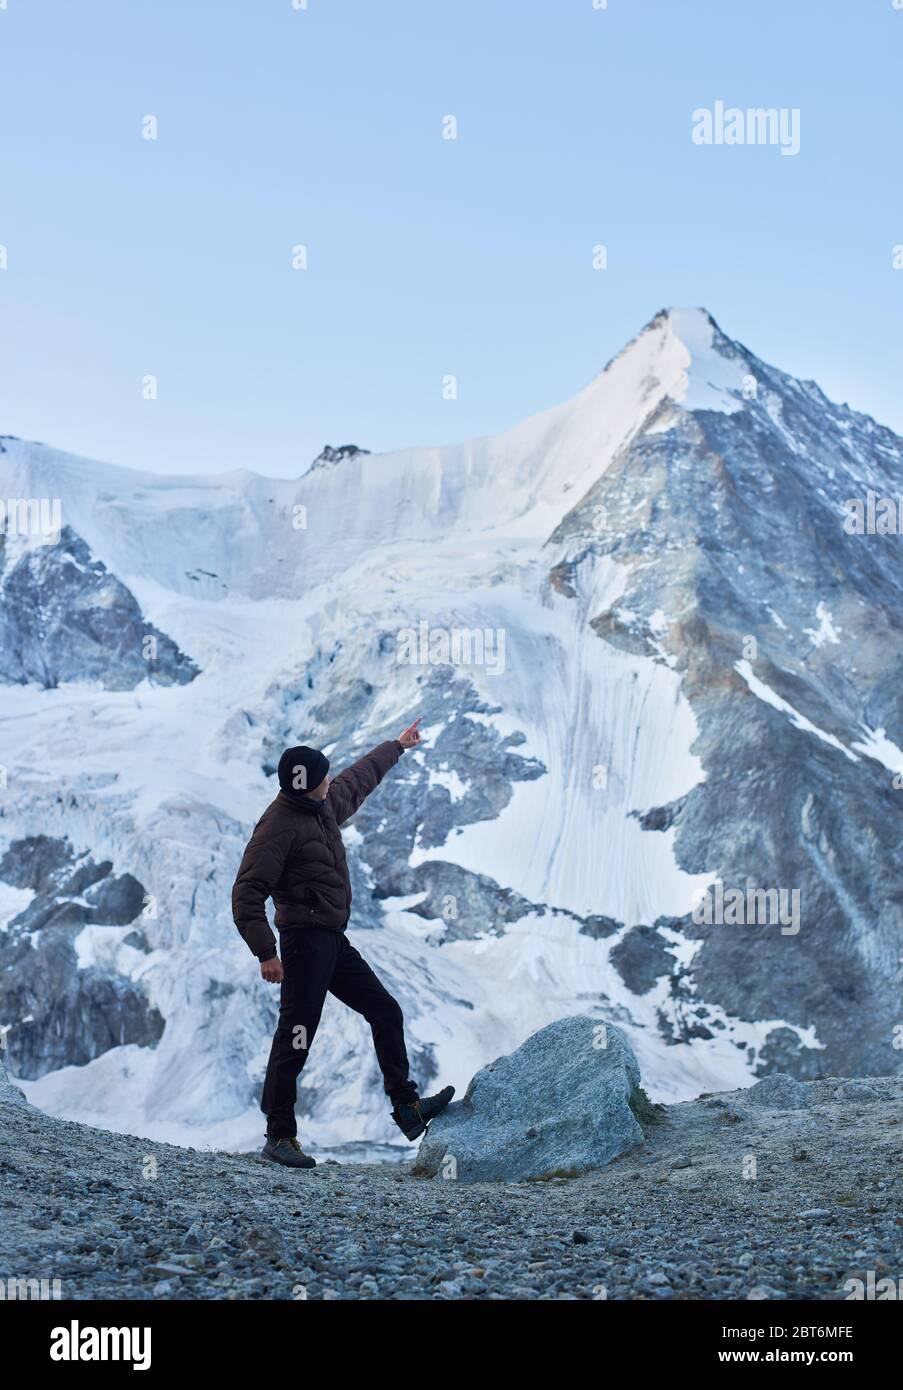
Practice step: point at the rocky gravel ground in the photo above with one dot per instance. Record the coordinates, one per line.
(728, 1198)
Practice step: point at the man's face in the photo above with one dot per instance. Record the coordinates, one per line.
(319, 793)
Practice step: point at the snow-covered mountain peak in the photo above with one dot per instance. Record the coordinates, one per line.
(661, 663)
(260, 535)
(686, 354)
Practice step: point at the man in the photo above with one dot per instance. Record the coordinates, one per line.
(296, 856)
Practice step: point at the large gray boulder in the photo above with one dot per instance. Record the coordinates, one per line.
(560, 1104)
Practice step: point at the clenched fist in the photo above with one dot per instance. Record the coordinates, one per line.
(271, 970)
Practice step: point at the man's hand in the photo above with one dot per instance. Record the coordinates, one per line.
(409, 738)
(271, 970)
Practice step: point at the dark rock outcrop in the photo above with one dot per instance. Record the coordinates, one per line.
(65, 617)
(59, 1010)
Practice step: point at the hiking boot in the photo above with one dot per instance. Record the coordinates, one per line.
(289, 1152)
(414, 1115)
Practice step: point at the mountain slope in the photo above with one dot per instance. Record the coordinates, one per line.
(674, 666)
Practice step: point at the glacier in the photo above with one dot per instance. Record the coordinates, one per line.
(540, 855)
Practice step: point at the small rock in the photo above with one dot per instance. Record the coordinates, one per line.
(266, 1240)
(779, 1092)
(857, 1091)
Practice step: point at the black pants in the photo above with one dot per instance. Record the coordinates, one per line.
(316, 962)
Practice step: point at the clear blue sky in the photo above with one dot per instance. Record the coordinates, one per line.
(427, 257)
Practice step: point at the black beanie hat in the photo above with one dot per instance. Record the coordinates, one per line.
(301, 770)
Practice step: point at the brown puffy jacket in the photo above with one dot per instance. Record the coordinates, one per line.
(298, 858)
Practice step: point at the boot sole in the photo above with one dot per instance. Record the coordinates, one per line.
(412, 1134)
(282, 1163)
